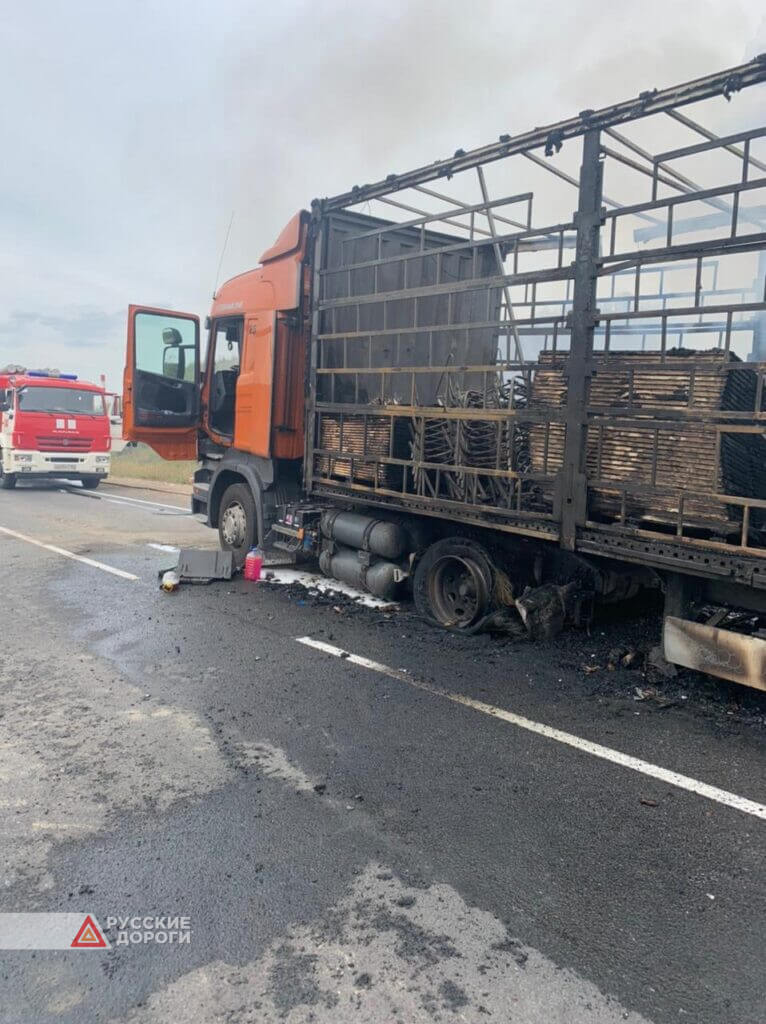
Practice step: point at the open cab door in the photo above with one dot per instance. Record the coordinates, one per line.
(161, 385)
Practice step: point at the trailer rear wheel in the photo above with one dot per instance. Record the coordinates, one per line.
(453, 583)
(236, 522)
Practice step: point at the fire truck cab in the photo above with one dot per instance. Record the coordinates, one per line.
(52, 426)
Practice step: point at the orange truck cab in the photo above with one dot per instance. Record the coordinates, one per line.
(52, 426)
(239, 408)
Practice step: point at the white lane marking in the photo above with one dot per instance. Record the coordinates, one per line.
(51, 825)
(159, 510)
(162, 547)
(721, 796)
(69, 554)
(111, 496)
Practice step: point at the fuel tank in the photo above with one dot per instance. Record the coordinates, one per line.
(365, 533)
(380, 578)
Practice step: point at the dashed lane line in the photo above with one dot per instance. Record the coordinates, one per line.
(69, 554)
(635, 764)
(118, 498)
(111, 496)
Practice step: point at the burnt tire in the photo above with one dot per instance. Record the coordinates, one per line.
(453, 584)
(90, 483)
(237, 522)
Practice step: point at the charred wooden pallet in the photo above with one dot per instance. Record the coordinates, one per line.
(649, 428)
(367, 439)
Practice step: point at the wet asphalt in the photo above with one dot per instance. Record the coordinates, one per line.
(346, 846)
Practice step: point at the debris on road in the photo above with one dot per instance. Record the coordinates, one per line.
(656, 660)
(614, 658)
(196, 565)
(170, 581)
(200, 566)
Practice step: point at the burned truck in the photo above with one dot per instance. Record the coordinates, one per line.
(521, 380)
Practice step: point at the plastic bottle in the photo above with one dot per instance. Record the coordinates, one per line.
(170, 581)
(253, 564)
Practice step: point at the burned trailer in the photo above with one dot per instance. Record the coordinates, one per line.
(543, 361)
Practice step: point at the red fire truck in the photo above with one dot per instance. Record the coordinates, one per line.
(52, 425)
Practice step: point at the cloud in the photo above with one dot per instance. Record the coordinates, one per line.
(80, 327)
(131, 131)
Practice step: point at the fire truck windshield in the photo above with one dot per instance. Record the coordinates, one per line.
(68, 400)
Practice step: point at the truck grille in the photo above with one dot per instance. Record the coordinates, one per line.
(64, 444)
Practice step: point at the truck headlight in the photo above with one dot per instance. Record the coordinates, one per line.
(22, 457)
(102, 458)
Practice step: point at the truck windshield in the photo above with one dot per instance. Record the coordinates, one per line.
(68, 400)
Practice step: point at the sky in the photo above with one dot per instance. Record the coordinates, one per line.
(131, 132)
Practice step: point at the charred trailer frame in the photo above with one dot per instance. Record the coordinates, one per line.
(465, 369)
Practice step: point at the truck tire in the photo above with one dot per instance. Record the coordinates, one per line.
(237, 522)
(453, 583)
(7, 480)
(90, 483)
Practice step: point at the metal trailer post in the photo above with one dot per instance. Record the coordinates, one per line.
(759, 325)
(571, 496)
(311, 381)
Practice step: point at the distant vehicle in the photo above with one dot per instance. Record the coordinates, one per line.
(52, 425)
(114, 412)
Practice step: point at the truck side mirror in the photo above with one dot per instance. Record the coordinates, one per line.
(174, 363)
(171, 336)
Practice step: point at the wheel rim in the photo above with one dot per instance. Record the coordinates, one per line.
(457, 591)
(234, 525)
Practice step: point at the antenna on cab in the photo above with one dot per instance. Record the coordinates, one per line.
(223, 253)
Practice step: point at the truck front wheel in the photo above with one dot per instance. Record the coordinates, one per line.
(237, 522)
(91, 482)
(7, 480)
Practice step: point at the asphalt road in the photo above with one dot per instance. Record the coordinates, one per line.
(395, 842)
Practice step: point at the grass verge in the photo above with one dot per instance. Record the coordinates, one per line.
(143, 463)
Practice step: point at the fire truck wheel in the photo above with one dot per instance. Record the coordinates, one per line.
(7, 480)
(453, 583)
(236, 522)
(91, 482)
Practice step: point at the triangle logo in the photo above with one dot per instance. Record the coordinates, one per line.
(89, 935)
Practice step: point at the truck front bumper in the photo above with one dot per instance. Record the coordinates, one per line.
(55, 464)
